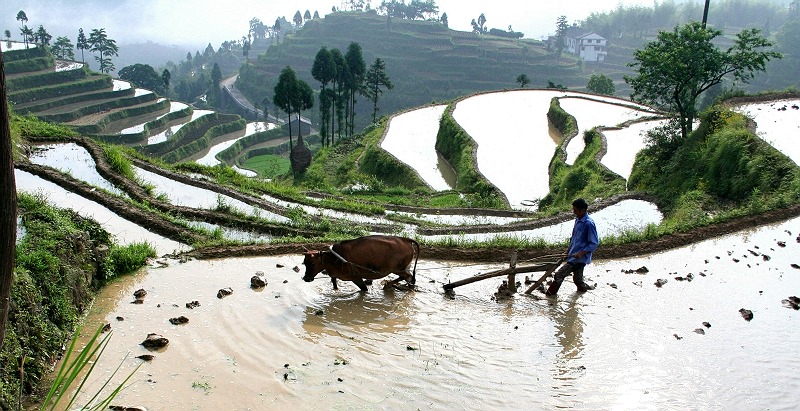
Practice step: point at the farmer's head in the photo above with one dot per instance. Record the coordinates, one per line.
(579, 207)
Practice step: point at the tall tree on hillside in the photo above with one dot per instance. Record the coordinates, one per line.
(7, 33)
(214, 94)
(443, 19)
(100, 43)
(324, 71)
(316, 15)
(561, 35)
(22, 18)
(63, 48)
(27, 35)
(282, 97)
(355, 80)
(82, 43)
(307, 15)
(298, 19)
(674, 70)
(482, 23)
(246, 50)
(166, 76)
(42, 37)
(302, 99)
(342, 72)
(327, 100)
(376, 79)
(8, 208)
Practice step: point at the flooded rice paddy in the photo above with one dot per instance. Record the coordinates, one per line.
(626, 345)
(411, 137)
(778, 123)
(209, 158)
(173, 107)
(124, 231)
(170, 131)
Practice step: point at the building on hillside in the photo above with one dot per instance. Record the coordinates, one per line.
(588, 46)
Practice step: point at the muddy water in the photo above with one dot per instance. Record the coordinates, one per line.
(296, 345)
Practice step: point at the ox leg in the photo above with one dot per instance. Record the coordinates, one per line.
(361, 284)
(335, 285)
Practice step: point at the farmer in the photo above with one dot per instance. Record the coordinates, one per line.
(581, 245)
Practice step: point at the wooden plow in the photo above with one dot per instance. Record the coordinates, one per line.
(547, 266)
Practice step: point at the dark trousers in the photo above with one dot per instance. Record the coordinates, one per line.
(576, 269)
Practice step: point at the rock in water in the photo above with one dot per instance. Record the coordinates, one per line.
(179, 320)
(154, 340)
(660, 282)
(140, 294)
(193, 304)
(257, 282)
(224, 292)
(746, 314)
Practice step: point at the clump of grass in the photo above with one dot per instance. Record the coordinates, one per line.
(123, 260)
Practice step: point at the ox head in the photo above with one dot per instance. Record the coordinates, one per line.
(313, 261)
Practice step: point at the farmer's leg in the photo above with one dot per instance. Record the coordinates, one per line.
(558, 278)
(577, 277)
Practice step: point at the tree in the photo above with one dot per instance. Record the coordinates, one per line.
(214, 92)
(482, 23)
(676, 68)
(523, 80)
(22, 18)
(8, 208)
(165, 78)
(246, 50)
(601, 84)
(143, 76)
(282, 97)
(99, 42)
(316, 15)
(42, 36)
(342, 73)
(355, 80)
(82, 43)
(27, 35)
(324, 71)
(307, 15)
(298, 19)
(62, 49)
(302, 99)
(561, 34)
(376, 78)
(443, 19)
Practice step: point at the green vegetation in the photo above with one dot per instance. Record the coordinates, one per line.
(721, 170)
(61, 260)
(268, 165)
(586, 178)
(674, 70)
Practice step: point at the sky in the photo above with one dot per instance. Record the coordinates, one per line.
(199, 22)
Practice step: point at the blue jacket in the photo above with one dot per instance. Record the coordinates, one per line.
(584, 237)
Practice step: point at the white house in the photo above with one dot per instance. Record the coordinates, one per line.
(586, 45)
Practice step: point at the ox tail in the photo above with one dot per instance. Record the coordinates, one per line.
(416, 258)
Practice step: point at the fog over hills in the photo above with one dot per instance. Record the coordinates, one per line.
(195, 23)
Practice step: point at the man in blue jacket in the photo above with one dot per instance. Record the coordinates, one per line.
(581, 246)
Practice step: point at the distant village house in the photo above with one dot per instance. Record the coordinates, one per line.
(588, 46)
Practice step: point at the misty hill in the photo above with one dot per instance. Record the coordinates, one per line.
(426, 61)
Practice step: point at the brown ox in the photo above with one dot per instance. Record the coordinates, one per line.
(370, 257)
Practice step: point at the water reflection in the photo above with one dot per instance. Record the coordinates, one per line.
(566, 318)
(411, 137)
(74, 160)
(357, 313)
